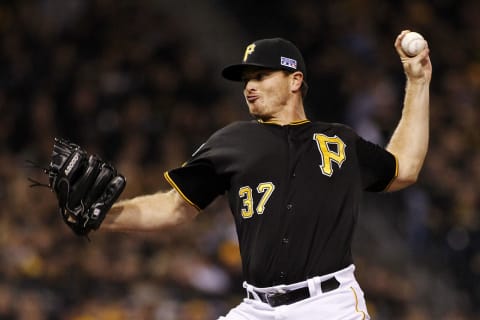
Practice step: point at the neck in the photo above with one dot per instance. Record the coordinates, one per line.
(290, 113)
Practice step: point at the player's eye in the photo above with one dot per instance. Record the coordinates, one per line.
(259, 76)
(256, 75)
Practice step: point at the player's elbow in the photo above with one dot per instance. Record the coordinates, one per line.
(180, 210)
(183, 216)
(409, 179)
(406, 176)
(401, 182)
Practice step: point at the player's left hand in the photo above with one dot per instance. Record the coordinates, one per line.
(417, 68)
(86, 186)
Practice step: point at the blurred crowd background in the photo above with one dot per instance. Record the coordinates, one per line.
(138, 82)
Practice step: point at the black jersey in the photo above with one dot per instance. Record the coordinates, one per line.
(294, 192)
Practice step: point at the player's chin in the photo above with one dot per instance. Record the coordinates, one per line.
(255, 110)
(256, 114)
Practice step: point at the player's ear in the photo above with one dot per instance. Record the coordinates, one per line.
(296, 81)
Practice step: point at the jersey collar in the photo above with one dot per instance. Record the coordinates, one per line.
(294, 123)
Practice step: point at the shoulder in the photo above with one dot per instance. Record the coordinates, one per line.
(235, 128)
(334, 128)
(226, 141)
(230, 132)
(238, 125)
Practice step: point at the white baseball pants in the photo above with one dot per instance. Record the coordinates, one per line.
(347, 302)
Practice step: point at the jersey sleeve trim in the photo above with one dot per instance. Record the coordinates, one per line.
(396, 173)
(174, 185)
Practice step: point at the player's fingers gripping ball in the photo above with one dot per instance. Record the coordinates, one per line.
(413, 43)
(86, 186)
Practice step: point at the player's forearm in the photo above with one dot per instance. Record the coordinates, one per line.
(409, 143)
(149, 213)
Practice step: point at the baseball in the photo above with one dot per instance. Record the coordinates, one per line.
(413, 43)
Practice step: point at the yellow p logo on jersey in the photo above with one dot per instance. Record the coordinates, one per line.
(248, 51)
(328, 154)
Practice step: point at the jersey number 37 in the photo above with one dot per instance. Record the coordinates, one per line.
(265, 189)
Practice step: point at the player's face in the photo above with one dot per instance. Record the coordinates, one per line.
(266, 92)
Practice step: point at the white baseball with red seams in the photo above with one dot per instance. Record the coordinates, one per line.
(413, 43)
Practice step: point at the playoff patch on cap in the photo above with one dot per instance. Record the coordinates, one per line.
(275, 54)
(287, 62)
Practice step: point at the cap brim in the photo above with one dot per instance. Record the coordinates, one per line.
(235, 72)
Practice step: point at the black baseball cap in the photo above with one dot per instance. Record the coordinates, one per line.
(274, 53)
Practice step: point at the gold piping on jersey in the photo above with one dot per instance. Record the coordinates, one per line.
(294, 123)
(174, 185)
(356, 304)
(396, 173)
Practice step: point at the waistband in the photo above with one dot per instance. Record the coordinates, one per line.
(287, 294)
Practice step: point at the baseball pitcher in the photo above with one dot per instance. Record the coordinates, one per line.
(293, 186)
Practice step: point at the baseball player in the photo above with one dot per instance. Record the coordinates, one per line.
(293, 186)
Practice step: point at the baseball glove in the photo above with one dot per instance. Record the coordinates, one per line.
(86, 186)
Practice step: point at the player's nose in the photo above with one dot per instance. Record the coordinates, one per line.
(250, 86)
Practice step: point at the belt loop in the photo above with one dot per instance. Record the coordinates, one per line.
(314, 285)
(251, 291)
(311, 287)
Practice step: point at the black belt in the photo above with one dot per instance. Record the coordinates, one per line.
(275, 299)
